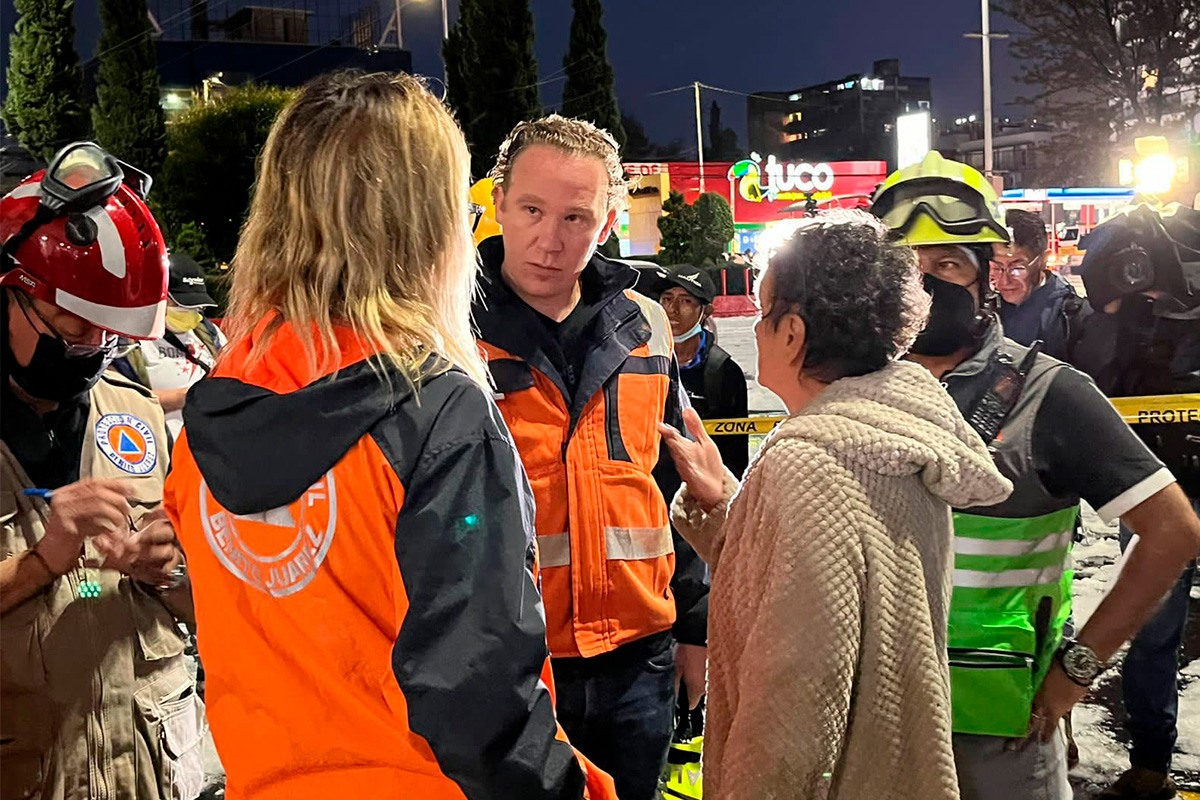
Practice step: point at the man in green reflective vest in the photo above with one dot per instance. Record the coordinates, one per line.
(1014, 674)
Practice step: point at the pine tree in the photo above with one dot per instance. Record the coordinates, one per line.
(503, 88)
(459, 58)
(127, 116)
(589, 93)
(714, 131)
(45, 109)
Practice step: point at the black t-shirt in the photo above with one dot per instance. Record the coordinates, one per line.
(1082, 448)
(47, 447)
(570, 342)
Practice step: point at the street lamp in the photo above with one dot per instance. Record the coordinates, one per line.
(1155, 171)
(394, 22)
(208, 83)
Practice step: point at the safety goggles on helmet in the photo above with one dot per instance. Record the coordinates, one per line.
(81, 177)
(957, 209)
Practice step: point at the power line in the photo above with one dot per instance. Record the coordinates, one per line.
(744, 94)
(690, 87)
(298, 58)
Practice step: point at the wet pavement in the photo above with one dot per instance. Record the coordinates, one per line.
(1099, 719)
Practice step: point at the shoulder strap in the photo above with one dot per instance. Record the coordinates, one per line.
(171, 337)
(1008, 378)
(207, 333)
(712, 373)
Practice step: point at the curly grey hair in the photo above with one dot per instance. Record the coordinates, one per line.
(574, 136)
(860, 295)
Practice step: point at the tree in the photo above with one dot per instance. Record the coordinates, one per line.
(45, 108)
(722, 142)
(637, 145)
(695, 234)
(1104, 71)
(503, 88)
(210, 169)
(714, 229)
(127, 116)
(459, 57)
(588, 93)
(676, 226)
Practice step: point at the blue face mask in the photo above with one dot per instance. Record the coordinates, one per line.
(694, 331)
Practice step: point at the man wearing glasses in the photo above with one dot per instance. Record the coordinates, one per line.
(1035, 303)
(96, 700)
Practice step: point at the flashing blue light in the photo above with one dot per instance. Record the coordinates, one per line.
(1074, 193)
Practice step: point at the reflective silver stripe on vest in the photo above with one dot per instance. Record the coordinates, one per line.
(636, 544)
(978, 579)
(966, 546)
(554, 550)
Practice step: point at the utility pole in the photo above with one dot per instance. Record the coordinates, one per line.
(700, 135)
(988, 155)
(985, 36)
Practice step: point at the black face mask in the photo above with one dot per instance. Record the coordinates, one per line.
(51, 374)
(952, 320)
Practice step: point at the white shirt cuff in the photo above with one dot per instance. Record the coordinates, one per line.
(1133, 497)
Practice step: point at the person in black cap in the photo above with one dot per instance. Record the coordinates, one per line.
(714, 382)
(185, 352)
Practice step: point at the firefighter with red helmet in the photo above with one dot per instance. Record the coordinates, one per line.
(96, 700)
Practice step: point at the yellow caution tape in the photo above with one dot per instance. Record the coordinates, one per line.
(1168, 408)
(725, 427)
(1159, 408)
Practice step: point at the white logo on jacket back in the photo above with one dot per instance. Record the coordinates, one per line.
(289, 542)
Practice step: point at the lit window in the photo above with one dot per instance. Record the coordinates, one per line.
(795, 96)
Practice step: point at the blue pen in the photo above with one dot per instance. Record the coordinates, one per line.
(89, 587)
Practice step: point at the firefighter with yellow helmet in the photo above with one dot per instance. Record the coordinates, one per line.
(484, 208)
(1014, 673)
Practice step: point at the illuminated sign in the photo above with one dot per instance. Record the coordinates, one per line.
(912, 138)
(639, 169)
(777, 180)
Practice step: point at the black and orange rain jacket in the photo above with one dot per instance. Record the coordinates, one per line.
(362, 560)
(613, 572)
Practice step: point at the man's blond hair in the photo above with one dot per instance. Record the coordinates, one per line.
(573, 136)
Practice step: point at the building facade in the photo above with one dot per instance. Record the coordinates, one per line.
(852, 118)
(205, 46)
(1019, 149)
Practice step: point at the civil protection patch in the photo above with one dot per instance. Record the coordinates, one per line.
(127, 442)
(278, 551)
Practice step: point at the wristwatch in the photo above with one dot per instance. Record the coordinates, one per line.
(1080, 662)
(174, 578)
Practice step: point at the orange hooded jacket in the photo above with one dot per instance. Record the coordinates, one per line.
(362, 563)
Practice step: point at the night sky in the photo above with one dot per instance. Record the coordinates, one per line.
(748, 45)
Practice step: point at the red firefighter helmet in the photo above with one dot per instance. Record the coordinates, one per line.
(78, 235)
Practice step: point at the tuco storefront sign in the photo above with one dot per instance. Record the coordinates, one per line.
(776, 180)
